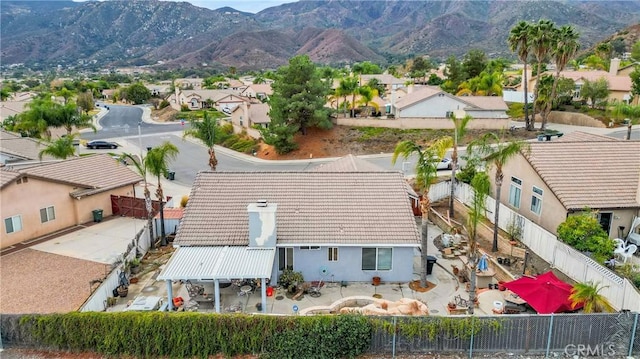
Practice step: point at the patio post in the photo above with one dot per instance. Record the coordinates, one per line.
(263, 293)
(216, 287)
(170, 294)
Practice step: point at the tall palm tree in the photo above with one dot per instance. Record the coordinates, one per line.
(426, 174)
(351, 86)
(493, 150)
(366, 96)
(347, 86)
(588, 294)
(490, 84)
(205, 131)
(565, 48)
(520, 42)
(459, 130)
(541, 45)
(68, 116)
(157, 163)
(61, 148)
(141, 168)
(481, 186)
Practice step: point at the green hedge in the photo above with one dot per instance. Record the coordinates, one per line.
(201, 335)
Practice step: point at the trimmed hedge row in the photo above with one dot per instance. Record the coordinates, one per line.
(199, 335)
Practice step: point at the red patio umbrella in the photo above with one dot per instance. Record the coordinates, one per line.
(544, 293)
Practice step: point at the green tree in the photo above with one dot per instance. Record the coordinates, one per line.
(66, 94)
(481, 186)
(474, 62)
(85, 101)
(520, 42)
(635, 81)
(496, 152)
(459, 130)
(583, 232)
(635, 51)
(205, 131)
(621, 110)
(137, 93)
(595, 91)
(68, 116)
(366, 96)
(603, 51)
(454, 74)
(140, 166)
(348, 86)
(4, 93)
(61, 148)
(588, 294)
(157, 164)
(426, 174)
(298, 100)
(375, 84)
(366, 68)
(434, 80)
(541, 44)
(594, 62)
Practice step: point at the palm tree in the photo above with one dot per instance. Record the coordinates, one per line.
(490, 84)
(141, 168)
(621, 110)
(481, 186)
(61, 148)
(156, 163)
(519, 42)
(205, 131)
(426, 174)
(493, 150)
(588, 294)
(347, 86)
(366, 96)
(459, 130)
(541, 44)
(68, 117)
(566, 46)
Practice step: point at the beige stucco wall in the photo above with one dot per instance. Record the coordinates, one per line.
(26, 200)
(553, 212)
(424, 123)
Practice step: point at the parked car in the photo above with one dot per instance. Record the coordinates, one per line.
(101, 144)
(445, 164)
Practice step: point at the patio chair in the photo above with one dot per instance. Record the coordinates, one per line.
(628, 252)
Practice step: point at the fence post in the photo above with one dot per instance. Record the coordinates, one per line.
(549, 337)
(395, 331)
(633, 334)
(471, 341)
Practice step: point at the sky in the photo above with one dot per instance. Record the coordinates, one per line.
(252, 6)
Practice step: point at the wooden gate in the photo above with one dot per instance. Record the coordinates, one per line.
(132, 207)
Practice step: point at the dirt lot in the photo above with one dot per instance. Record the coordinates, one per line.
(341, 140)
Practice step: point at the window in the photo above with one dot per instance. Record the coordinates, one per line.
(313, 248)
(13, 224)
(47, 214)
(515, 191)
(536, 200)
(377, 258)
(285, 258)
(333, 254)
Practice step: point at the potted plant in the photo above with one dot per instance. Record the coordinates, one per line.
(290, 280)
(134, 266)
(123, 291)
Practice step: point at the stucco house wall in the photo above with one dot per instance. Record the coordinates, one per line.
(348, 267)
(436, 106)
(425, 123)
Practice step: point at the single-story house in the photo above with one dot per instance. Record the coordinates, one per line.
(433, 102)
(15, 149)
(579, 170)
(188, 83)
(43, 199)
(338, 226)
(389, 81)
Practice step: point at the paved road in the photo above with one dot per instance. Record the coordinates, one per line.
(122, 121)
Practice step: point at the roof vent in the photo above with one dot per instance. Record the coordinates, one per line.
(261, 203)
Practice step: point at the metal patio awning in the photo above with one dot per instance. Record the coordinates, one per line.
(221, 263)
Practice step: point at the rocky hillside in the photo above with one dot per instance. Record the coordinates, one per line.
(179, 34)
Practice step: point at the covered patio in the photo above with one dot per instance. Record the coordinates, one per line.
(219, 263)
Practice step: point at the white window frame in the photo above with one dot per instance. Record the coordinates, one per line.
(516, 187)
(536, 196)
(49, 213)
(332, 254)
(16, 224)
(378, 266)
(310, 248)
(283, 254)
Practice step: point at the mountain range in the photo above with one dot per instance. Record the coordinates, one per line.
(180, 35)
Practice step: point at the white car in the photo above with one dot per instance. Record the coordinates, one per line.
(445, 164)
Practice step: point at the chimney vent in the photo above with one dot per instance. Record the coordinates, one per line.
(261, 203)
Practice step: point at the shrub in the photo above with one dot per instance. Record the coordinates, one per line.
(183, 201)
(184, 107)
(584, 233)
(164, 104)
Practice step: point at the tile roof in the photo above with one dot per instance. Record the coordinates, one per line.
(25, 148)
(593, 173)
(351, 163)
(172, 213)
(91, 174)
(385, 79)
(347, 208)
(8, 176)
(485, 102)
(258, 113)
(579, 136)
(616, 82)
(418, 94)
